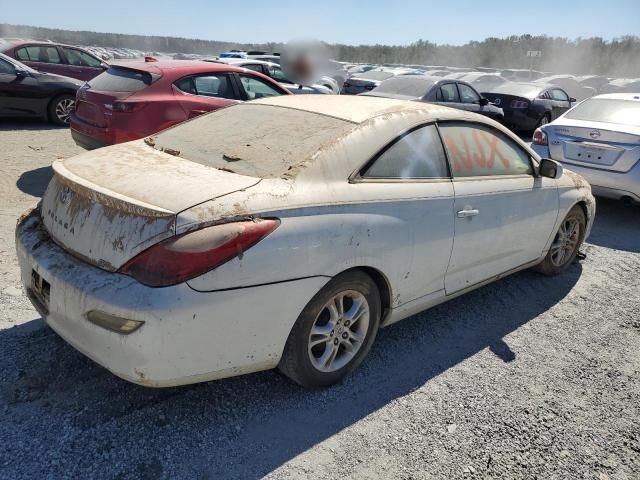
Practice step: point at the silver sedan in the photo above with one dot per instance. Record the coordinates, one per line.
(600, 140)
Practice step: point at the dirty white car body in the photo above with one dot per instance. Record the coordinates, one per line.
(105, 207)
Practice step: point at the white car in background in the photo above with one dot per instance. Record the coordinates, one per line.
(235, 243)
(600, 139)
(274, 70)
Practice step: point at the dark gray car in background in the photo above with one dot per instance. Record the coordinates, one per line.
(528, 106)
(443, 91)
(25, 92)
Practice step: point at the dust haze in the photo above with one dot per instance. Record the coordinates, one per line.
(616, 58)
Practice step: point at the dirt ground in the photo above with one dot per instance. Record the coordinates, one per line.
(530, 377)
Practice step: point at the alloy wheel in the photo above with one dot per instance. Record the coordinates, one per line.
(339, 331)
(566, 241)
(64, 108)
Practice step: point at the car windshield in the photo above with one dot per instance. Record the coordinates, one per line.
(257, 140)
(411, 85)
(607, 110)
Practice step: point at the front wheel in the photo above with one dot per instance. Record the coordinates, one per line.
(60, 109)
(565, 244)
(334, 332)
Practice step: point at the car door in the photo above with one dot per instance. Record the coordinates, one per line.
(80, 64)
(7, 96)
(20, 95)
(447, 95)
(469, 98)
(504, 212)
(199, 94)
(561, 102)
(44, 58)
(412, 176)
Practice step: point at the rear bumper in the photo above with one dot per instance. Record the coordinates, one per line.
(88, 142)
(521, 119)
(604, 183)
(187, 336)
(616, 185)
(89, 136)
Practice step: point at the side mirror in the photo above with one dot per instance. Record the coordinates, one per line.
(104, 65)
(21, 73)
(572, 100)
(483, 101)
(550, 168)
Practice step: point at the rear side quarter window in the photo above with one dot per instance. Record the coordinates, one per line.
(415, 155)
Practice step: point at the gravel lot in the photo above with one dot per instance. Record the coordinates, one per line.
(530, 377)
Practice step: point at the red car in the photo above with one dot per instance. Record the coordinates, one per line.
(136, 99)
(55, 58)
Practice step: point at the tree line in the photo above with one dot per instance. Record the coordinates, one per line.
(618, 57)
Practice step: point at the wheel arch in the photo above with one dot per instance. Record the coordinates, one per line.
(382, 282)
(585, 210)
(55, 95)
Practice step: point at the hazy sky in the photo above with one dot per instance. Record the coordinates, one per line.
(343, 21)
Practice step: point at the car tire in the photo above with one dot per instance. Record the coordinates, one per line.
(327, 342)
(566, 243)
(546, 118)
(60, 109)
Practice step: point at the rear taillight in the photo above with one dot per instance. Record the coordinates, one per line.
(540, 138)
(187, 256)
(519, 104)
(124, 107)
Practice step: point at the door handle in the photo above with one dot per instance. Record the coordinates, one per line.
(468, 212)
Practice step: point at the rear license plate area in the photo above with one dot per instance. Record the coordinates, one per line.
(39, 293)
(589, 153)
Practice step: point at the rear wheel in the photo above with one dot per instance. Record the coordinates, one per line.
(334, 332)
(544, 120)
(60, 109)
(566, 243)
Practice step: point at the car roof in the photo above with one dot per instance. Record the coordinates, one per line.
(356, 108)
(618, 96)
(176, 66)
(40, 42)
(241, 61)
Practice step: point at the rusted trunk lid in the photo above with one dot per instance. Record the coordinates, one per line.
(108, 205)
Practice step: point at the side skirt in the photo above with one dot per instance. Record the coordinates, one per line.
(436, 298)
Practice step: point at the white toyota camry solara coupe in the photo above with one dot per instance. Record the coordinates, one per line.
(284, 232)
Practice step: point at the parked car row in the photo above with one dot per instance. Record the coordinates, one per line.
(127, 101)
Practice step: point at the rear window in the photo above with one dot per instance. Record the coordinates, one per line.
(118, 79)
(413, 86)
(525, 90)
(607, 110)
(257, 140)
